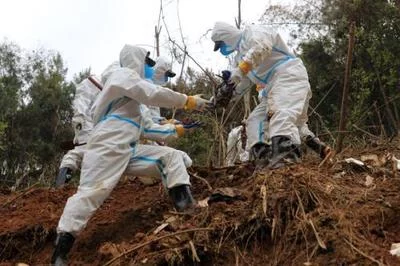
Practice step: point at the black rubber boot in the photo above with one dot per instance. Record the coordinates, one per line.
(318, 146)
(283, 152)
(64, 176)
(181, 197)
(260, 153)
(64, 244)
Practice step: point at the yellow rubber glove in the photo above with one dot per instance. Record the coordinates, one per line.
(180, 130)
(195, 102)
(245, 67)
(169, 121)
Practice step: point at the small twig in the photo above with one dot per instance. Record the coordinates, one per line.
(195, 257)
(323, 98)
(236, 257)
(342, 152)
(177, 213)
(323, 124)
(383, 131)
(182, 49)
(319, 240)
(155, 253)
(394, 166)
(234, 105)
(365, 132)
(202, 179)
(155, 240)
(329, 156)
(27, 191)
(363, 254)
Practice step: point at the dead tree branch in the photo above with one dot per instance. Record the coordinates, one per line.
(345, 98)
(155, 240)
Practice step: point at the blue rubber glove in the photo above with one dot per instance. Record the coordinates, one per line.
(193, 125)
(226, 75)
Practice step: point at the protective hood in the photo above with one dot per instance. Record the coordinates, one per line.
(162, 70)
(109, 70)
(133, 57)
(227, 33)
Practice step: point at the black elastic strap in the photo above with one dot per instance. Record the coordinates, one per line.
(149, 61)
(217, 45)
(170, 74)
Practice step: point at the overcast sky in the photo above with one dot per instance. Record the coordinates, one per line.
(90, 33)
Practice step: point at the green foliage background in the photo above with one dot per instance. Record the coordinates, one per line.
(35, 113)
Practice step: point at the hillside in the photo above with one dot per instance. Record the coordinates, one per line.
(336, 214)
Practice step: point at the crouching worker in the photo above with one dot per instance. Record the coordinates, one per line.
(118, 127)
(86, 93)
(236, 145)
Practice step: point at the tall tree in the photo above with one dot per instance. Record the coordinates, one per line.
(39, 111)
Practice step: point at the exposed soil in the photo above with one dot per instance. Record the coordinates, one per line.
(299, 215)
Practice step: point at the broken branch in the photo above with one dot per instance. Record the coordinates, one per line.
(155, 240)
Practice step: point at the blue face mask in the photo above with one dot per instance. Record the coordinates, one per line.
(148, 72)
(226, 49)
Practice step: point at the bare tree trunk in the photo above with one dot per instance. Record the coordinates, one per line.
(345, 98)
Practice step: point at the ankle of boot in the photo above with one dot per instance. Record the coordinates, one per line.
(181, 197)
(64, 244)
(325, 151)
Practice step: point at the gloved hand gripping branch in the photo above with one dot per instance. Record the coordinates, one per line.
(77, 123)
(183, 127)
(224, 91)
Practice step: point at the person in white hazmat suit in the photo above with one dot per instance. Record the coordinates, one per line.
(158, 129)
(263, 58)
(235, 146)
(118, 127)
(162, 73)
(86, 93)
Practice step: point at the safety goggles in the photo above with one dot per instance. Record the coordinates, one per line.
(218, 44)
(150, 62)
(170, 74)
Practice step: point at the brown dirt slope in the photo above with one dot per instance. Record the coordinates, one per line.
(300, 215)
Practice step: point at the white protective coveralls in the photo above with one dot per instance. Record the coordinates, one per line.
(142, 162)
(86, 93)
(118, 127)
(274, 68)
(84, 98)
(154, 131)
(235, 151)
